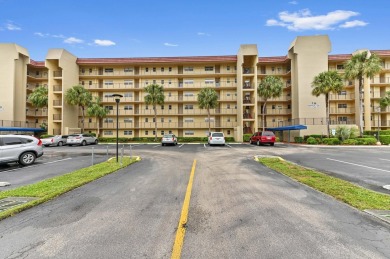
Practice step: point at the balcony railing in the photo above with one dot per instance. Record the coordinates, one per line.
(161, 125)
(380, 80)
(247, 70)
(57, 102)
(56, 117)
(313, 121)
(342, 110)
(35, 75)
(57, 73)
(57, 88)
(230, 84)
(21, 124)
(282, 111)
(342, 96)
(174, 112)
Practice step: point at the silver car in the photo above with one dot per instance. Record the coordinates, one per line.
(216, 138)
(169, 139)
(19, 148)
(81, 139)
(58, 140)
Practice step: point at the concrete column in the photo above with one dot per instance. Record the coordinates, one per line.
(367, 104)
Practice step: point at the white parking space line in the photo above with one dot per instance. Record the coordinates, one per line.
(156, 146)
(181, 145)
(229, 145)
(384, 159)
(19, 168)
(378, 169)
(204, 145)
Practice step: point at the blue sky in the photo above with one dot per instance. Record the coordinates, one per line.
(120, 28)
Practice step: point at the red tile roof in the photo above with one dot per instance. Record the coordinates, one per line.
(273, 59)
(340, 57)
(37, 63)
(381, 52)
(157, 60)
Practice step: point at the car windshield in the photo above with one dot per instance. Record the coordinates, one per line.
(268, 133)
(168, 136)
(74, 135)
(218, 134)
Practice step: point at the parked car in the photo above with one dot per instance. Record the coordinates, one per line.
(216, 138)
(19, 148)
(81, 139)
(58, 140)
(169, 139)
(263, 137)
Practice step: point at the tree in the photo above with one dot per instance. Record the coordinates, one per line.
(208, 99)
(269, 87)
(78, 95)
(385, 100)
(362, 65)
(325, 83)
(39, 97)
(98, 111)
(155, 96)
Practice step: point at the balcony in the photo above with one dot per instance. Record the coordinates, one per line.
(57, 117)
(248, 100)
(248, 86)
(380, 80)
(57, 102)
(57, 73)
(350, 96)
(57, 88)
(281, 111)
(334, 110)
(37, 75)
(248, 116)
(247, 70)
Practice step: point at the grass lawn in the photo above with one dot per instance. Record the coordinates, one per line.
(53, 187)
(347, 192)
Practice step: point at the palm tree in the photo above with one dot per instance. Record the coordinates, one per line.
(155, 96)
(78, 95)
(269, 87)
(325, 83)
(39, 97)
(208, 99)
(98, 111)
(385, 100)
(361, 65)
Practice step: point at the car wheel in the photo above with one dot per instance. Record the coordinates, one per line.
(250, 142)
(60, 144)
(83, 143)
(162, 144)
(27, 158)
(272, 144)
(258, 143)
(96, 142)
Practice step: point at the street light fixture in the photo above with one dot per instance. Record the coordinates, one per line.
(117, 100)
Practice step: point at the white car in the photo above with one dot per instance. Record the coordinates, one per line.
(216, 138)
(81, 139)
(169, 139)
(19, 148)
(58, 140)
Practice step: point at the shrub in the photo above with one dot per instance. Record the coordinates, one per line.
(277, 139)
(46, 136)
(331, 141)
(298, 139)
(247, 137)
(343, 132)
(365, 141)
(311, 141)
(349, 142)
(316, 136)
(374, 132)
(384, 139)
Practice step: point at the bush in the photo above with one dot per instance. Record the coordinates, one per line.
(384, 139)
(298, 139)
(343, 132)
(247, 137)
(316, 136)
(46, 136)
(374, 132)
(365, 141)
(277, 139)
(331, 141)
(311, 141)
(349, 142)
(192, 139)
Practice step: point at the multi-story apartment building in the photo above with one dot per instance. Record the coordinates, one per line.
(235, 78)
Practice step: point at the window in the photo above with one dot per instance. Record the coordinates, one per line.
(108, 82)
(109, 107)
(108, 70)
(188, 133)
(188, 81)
(154, 69)
(273, 106)
(228, 106)
(108, 120)
(170, 132)
(342, 119)
(82, 82)
(128, 132)
(128, 95)
(169, 69)
(128, 120)
(146, 132)
(169, 94)
(228, 68)
(227, 94)
(154, 81)
(228, 81)
(209, 81)
(162, 107)
(162, 119)
(128, 82)
(12, 141)
(162, 69)
(189, 107)
(188, 69)
(162, 82)
(342, 105)
(128, 69)
(208, 68)
(207, 119)
(169, 82)
(228, 132)
(128, 107)
(162, 133)
(188, 120)
(108, 132)
(146, 119)
(154, 132)
(343, 93)
(340, 67)
(228, 119)
(108, 95)
(146, 69)
(90, 82)
(170, 107)
(188, 94)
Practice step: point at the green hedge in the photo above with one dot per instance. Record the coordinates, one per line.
(365, 141)
(311, 141)
(316, 136)
(374, 132)
(331, 141)
(350, 142)
(384, 139)
(247, 137)
(46, 136)
(298, 139)
(151, 139)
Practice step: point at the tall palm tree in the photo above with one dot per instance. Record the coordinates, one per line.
(269, 87)
(325, 83)
(98, 111)
(78, 95)
(208, 99)
(362, 65)
(155, 96)
(39, 97)
(385, 100)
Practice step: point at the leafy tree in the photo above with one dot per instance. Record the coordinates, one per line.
(385, 100)
(39, 97)
(78, 95)
(155, 96)
(359, 66)
(208, 99)
(269, 87)
(98, 111)
(325, 83)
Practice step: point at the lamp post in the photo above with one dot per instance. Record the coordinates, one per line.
(117, 100)
(379, 110)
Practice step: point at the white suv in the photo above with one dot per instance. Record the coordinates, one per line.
(216, 138)
(81, 139)
(19, 148)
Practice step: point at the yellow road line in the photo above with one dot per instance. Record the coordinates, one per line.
(181, 229)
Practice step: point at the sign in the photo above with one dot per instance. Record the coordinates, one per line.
(333, 131)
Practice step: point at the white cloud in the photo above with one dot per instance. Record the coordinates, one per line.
(203, 34)
(73, 40)
(293, 2)
(104, 43)
(12, 27)
(352, 24)
(46, 35)
(304, 20)
(170, 45)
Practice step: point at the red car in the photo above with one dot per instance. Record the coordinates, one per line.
(263, 137)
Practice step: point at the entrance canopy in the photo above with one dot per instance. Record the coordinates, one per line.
(292, 127)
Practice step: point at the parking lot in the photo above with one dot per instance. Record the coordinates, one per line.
(365, 166)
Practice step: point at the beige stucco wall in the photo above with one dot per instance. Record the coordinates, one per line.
(13, 80)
